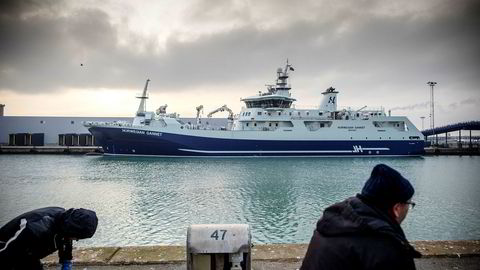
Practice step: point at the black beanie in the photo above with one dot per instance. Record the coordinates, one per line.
(79, 223)
(386, 187)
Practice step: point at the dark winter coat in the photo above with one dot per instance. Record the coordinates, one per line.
(34, 235)
(356, 235)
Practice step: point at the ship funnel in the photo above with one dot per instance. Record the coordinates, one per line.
(143, 100)
(329, 101)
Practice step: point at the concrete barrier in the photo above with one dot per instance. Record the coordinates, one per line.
(262, 254)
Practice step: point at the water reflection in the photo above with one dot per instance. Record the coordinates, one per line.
(145, 201)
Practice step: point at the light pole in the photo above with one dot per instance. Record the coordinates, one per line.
(423, 118)
(432, 109)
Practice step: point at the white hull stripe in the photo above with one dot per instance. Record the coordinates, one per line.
(23, 225)
(281, 152)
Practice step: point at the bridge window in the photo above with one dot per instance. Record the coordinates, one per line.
(259, 113)
(271, 103)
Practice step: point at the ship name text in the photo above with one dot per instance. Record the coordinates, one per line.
(141, 132)
(352, 127)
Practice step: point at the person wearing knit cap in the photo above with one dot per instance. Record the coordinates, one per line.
(34, 235)
(363, 232)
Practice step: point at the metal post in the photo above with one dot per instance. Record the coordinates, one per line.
(432, 109)
(423, 118)
(459, 138)
(470, 138)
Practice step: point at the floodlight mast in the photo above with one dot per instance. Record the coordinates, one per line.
(432, 109)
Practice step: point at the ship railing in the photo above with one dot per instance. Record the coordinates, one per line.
(203, 127)
(362, 109)
(312, 117)
(114, 123)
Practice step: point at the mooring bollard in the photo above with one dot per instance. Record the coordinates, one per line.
(219, 246)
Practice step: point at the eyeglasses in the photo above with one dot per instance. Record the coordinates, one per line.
(411, 203)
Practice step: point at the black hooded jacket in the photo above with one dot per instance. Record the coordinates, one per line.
(355, 235)
(38, 233)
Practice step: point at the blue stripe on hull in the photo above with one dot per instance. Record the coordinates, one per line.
(116, 142)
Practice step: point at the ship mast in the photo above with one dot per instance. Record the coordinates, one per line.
(143, 100)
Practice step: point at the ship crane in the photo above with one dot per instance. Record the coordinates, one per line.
(221, 109)
(199, 110)
(142, 107)
(162, 109)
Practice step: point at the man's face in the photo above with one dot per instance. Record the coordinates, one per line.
(400, 211)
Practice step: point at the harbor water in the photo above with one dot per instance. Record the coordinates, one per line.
(151, 201)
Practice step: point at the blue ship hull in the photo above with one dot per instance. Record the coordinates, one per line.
(144, 143)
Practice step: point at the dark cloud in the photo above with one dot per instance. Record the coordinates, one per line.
(465, 102)
(364, 45)
(17, 8)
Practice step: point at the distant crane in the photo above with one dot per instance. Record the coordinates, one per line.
(142, 107)
(162, 109)
(221, 109)
(199, 110)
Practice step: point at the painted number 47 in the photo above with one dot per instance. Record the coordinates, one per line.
(216, 235)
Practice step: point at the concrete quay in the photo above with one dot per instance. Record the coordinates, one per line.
(54, 149)
(437, 151)
(436, 255)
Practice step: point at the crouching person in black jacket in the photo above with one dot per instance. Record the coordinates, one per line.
(34, 235)
(364, 232)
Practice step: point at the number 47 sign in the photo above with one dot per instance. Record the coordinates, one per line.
(215, 235)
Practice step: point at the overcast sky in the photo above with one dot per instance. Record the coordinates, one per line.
(91, 58)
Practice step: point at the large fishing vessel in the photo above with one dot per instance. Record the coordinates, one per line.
(268, 125)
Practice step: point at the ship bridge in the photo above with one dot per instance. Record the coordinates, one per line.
(277, 95)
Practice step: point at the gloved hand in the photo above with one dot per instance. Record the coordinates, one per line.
(67, 265)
